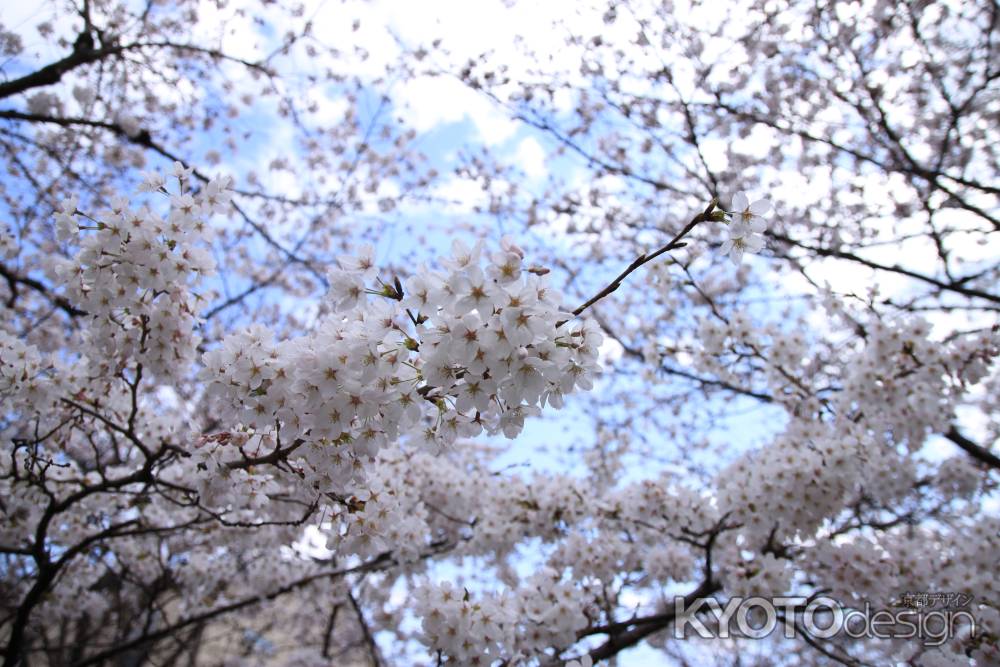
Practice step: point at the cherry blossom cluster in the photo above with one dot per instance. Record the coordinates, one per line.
(763, 574)
(789, 488)
(897, 381)
(381, 514)
(469, 629)
(489, 514)
(479, 347)
(551, 612)
(855, 571)
(135, 270)
(599, 540)
(25, 381)
(906, 383)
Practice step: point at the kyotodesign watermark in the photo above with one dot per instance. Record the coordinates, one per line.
(932, 623)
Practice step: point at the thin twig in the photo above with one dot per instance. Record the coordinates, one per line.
(644, 258)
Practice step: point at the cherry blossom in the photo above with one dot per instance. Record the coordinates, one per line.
(746, 227)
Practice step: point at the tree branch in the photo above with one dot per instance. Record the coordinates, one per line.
(642, 259)
(977, 452)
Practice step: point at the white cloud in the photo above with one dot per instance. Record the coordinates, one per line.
(430, 102)
(460, 195)
(531, 158)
